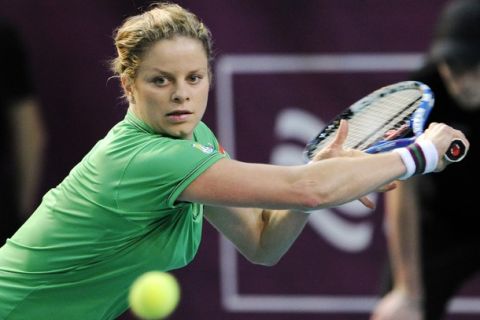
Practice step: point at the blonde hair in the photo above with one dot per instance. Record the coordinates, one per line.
(164, 21)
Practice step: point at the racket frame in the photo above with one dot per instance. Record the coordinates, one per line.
(416, 122)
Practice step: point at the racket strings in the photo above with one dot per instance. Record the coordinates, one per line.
(389, 113)
(375, 118)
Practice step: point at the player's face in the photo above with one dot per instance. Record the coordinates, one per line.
(464, 87)
(170, 91)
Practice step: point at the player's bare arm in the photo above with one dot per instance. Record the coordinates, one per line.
(262, 236)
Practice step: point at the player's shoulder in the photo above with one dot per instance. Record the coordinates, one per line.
(203, 129)
(127, 141)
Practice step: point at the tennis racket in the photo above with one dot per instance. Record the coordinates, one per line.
(388, 118)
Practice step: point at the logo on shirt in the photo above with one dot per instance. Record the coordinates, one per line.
(205, 149)
(220, 149)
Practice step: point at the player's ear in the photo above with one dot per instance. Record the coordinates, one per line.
(128, 86)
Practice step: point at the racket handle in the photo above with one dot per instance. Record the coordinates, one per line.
(456, 152)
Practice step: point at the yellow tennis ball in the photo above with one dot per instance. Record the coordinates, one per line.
(154, 295)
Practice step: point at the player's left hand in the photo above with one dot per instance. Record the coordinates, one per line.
(335, 149)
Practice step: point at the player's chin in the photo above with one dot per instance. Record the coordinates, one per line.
(184, 131)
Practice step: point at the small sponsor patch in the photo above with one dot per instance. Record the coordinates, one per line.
(220, 149)
(205, 149)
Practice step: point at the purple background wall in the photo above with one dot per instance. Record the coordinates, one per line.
(70, 43)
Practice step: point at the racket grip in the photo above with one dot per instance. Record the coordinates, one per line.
(457, 151)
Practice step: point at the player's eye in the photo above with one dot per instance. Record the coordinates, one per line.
(160, 81)
(195, 78)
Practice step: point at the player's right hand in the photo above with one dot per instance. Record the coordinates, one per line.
(442, 135)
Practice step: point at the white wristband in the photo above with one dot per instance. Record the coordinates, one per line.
(408, 162)
(431, 155)
(419, 158)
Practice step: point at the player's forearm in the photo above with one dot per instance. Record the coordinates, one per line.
(339, 180)
(403, 239)
(280, 230)
(325, 183)
(262, 236)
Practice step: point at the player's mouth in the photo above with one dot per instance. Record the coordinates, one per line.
(179, 115)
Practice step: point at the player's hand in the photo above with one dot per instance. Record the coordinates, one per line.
(442, 136)
(397, 305)
(335, 149)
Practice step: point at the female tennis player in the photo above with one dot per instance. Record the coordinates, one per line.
(137, 200)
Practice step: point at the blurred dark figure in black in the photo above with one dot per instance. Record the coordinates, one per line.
(433, 220)
(22, 135)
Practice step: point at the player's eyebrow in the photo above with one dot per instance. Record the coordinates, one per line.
(166, 73)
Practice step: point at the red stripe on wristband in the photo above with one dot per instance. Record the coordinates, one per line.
(418, 156)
